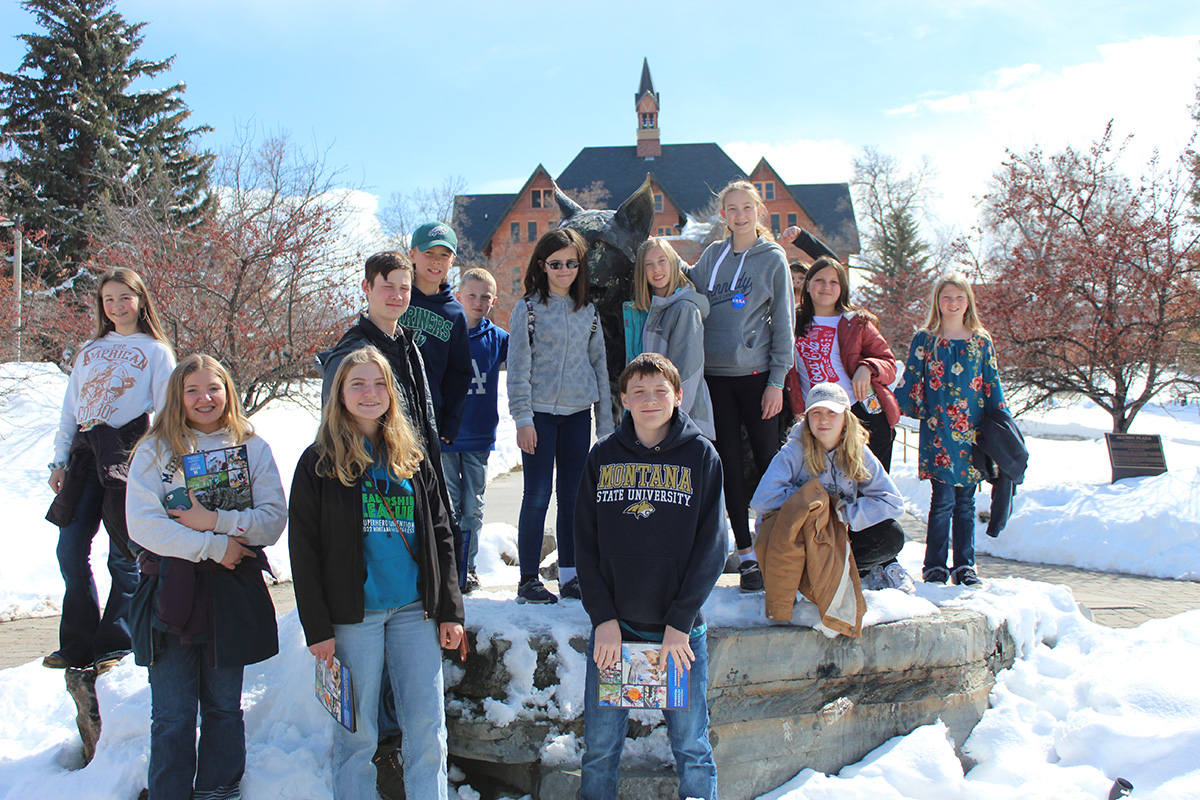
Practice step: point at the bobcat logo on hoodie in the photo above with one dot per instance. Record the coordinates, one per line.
(641, 509)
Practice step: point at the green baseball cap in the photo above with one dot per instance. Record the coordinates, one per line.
(433, 233)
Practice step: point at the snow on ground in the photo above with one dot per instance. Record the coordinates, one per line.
(1082, 705)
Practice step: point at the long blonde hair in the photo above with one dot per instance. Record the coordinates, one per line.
(171, 427)
(748, 188)
(933, 322)
(340, 446)
(148, 321)
(642, 296)
(848, 454)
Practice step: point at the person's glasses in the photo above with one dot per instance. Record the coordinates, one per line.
(557, 265)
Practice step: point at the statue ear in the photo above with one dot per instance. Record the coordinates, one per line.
(636, 214)
(567, 207)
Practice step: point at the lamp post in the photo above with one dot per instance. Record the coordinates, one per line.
(15, 224)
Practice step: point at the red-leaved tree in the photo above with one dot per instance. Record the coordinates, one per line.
(1090, 284)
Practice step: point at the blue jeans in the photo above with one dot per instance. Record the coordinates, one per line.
(561, 439)
(414, 662)
(466, 478)
(181, 679)
(604, 731)
(945, 501)
(83, 634)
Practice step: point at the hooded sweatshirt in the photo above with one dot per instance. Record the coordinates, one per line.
(751, 309)
(565, 371)
(860, 504)
(674, 326)
(481, 415)
(439, 328)
(649, 528)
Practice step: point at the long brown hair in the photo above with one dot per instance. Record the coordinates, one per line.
(148, 321)
(171, 427)
(536, 282)
(848, 454)
(340, 447)
(642, 296)
(804, 316)
(747, 187)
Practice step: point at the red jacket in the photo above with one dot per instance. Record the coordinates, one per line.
(859, 342)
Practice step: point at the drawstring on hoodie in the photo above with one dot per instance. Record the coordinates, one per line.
(712, 279)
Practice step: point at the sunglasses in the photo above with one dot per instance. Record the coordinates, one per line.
(557, 265)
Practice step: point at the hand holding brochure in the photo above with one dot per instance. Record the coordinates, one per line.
(335, 690)
(636, 681)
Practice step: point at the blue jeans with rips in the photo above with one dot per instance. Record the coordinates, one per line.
(946, 504)
(414, 664)
(85, 635)
(562, 440)
(466, 478)
(605, 728)
(181, 680)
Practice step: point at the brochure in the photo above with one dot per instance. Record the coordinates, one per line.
(335, 690)
(220, 479)
(636, 681)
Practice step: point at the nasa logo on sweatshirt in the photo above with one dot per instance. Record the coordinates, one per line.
(738, 301)
(641, 509)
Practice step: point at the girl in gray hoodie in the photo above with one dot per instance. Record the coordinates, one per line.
(747, 349)
(557, 373)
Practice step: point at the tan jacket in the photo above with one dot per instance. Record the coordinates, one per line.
(805, 546)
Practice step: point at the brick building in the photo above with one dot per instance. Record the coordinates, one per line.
(499, 230)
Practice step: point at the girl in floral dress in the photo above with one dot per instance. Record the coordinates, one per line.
(950, 378)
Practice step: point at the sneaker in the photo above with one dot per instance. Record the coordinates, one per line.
(55, 661)
(873, 580)
(965, 576)
(105, 663)
(389, 769)
(896, 577)
(472, 582)
(570, 589)
(751, 577)
(935, 575)
(532, 591)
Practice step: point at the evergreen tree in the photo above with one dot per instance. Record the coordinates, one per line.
(74, 131)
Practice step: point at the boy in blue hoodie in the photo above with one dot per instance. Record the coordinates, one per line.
(439, 326)
(649, 547)
(465, 461)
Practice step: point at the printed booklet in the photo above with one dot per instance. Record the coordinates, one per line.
(220, 479)
(335, 690)
(637, 682)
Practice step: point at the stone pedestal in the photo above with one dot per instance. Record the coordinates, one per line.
(780, 699)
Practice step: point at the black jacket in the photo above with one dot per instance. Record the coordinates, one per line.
(1000, 454)
(325, 539)
(649, 528)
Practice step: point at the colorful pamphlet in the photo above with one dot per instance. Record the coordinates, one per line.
(335, 690)
(636, 681)
(219, 478)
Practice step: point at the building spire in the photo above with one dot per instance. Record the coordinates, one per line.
(646, 104)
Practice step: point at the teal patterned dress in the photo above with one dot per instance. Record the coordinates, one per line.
(947, 384)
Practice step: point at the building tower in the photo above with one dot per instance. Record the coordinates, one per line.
(646, 103)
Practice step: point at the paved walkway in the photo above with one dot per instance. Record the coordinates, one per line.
(1116, 600)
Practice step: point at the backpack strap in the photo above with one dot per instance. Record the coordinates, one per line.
(530, 320)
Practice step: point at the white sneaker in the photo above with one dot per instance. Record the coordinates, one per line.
(874, 580)
(895, 577)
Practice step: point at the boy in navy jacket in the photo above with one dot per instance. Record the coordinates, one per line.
(439, 325)
(465, 461)
(650, 545)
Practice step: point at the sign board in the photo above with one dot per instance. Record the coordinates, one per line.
(1134, 455)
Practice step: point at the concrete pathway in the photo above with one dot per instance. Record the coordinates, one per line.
(1114, 599)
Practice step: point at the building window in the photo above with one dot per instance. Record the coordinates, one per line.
(775, 224)
(769, 190)
(533, 231)
(647, 120)
(792, 221)
(758, 188)
(658, 204)
(535, 198)
(516, 286)
(514, 231)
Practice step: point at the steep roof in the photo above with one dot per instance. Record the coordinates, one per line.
(830, 206)
(647, 84)
(477, 215)
(691, 173)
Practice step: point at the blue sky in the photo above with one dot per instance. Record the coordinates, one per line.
(406, 94)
